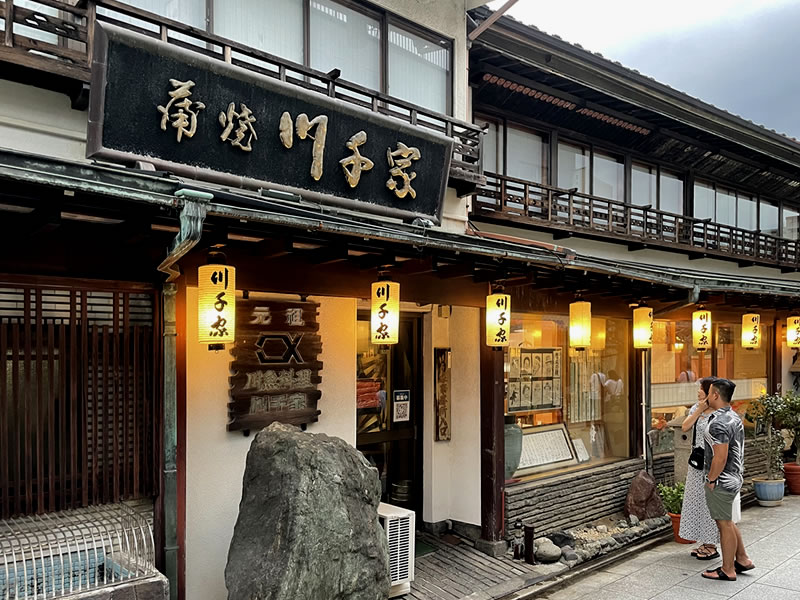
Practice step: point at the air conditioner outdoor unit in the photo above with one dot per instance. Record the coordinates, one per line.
(399, 525)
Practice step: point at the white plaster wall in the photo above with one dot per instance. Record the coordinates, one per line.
(40, 122)
(215, 459)
(452, 468)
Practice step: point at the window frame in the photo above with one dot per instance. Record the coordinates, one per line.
(385, 19)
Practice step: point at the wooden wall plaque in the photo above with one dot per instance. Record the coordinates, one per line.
(275, 372)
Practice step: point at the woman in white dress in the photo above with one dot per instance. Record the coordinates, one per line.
(696, 521)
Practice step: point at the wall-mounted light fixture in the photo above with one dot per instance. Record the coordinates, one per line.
(498, 320)
(216, 303)
(701, 329)
(580, 325)
(643, 327)
(385, 313)
(751, 331)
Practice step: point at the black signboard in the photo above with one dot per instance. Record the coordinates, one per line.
(204, 118)
(275, 372)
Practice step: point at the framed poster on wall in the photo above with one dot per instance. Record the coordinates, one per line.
(544, 448)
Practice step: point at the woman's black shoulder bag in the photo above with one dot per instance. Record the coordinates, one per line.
(697, 457)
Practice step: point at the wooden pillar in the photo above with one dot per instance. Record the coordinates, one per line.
(492, 447)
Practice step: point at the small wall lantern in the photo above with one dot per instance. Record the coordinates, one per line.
(216, 304)
(385, 322)
(793, 332)
(701, 330)
(643, 327)
(751, 331)
(580, 325)
(498, 320)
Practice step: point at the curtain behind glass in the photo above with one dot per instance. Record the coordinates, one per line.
(418, 70)
(608, 177)
(345, 39)
(747, 213)
(492, 158)
(726, 207)
(527, 155)
(790, 224)
(703, 201)
(768, 218)
(643, 186)
(573, 167)
(671, 192)
(274, 26)
(188, 12)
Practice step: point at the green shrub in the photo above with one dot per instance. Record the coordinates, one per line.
(672, 497)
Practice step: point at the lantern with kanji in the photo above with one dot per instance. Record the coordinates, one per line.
(498, 320)
(793, 332)
(385, 321)
(216, 304)
(751, 331)
(701, 330)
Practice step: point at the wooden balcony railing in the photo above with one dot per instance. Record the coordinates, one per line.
(57, 37)
(546, 207)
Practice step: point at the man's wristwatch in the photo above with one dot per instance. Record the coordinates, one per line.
(713, 482)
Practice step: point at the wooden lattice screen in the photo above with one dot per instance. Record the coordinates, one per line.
(80, 398)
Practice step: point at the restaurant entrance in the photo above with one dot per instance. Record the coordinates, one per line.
(389, 411)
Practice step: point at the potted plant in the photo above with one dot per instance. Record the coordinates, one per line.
(672, 497)
(789, 418)
(766, 409)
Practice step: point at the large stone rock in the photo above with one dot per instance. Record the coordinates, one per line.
(643, 500)
(562, 538)
(308, 525)
(547, 551)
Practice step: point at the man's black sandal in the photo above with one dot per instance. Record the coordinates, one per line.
(720, 575)
(740, 568)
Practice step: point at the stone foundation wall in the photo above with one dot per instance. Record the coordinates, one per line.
(570, 500)
(664, 468)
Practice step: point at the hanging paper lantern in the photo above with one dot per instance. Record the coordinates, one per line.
(385, 312)
(643, 327)
(580, 324)
(793, 332)
(498, 319)
(701, 330)
(216, 304)
(751, 330)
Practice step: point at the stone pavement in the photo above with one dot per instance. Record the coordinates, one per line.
(667, 572)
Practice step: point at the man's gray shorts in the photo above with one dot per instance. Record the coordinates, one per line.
(720, 503)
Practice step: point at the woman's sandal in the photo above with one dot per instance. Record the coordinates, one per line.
(699, 550)
(740, 568)
(710, 553)
(720, 575)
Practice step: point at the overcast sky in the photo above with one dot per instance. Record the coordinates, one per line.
(740, 55)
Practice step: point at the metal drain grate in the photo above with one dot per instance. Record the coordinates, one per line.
(57, 554)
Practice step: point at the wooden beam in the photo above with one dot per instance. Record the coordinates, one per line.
(492, 440)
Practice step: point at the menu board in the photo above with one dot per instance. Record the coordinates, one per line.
(543, 447)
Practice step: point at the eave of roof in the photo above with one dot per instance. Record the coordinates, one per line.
(552, 54)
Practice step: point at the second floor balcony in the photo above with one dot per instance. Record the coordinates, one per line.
(50, 43)
(564, 213)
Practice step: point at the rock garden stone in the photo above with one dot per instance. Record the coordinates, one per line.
(562, 538)
(602, 528)
(569, 554)
(547, 552)
(634, 520)
(308, 523)
(643, 500)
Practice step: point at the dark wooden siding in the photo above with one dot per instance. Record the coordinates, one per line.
(80, 398)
